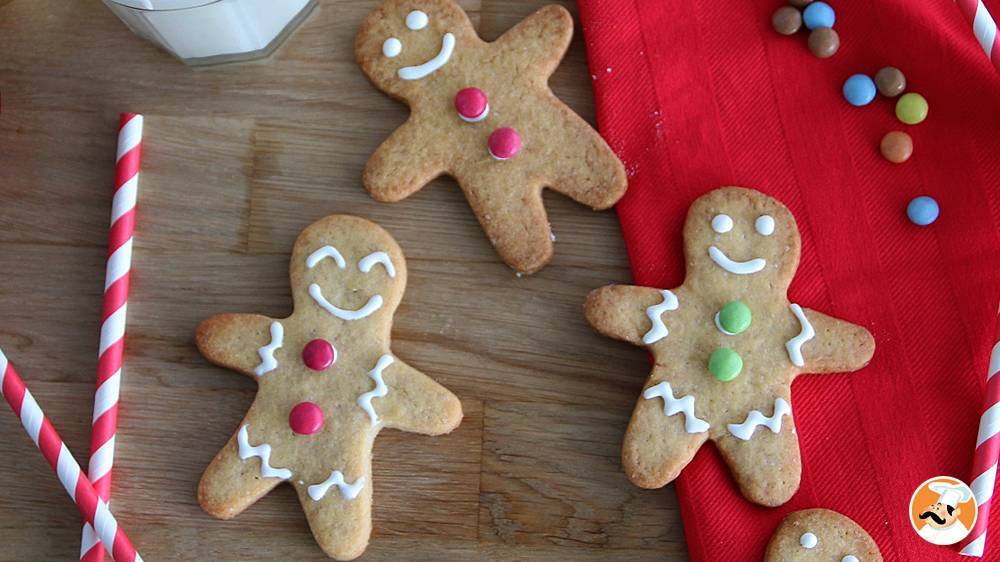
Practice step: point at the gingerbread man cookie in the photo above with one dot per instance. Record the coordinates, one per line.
(483, 113)
(726, 344)
(821, 535)
(327, 383)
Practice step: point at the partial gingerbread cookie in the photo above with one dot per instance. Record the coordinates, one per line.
(327, 383)
(821, 535)
(483, 113)
(726, 344)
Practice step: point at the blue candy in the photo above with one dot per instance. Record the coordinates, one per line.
(859, 90)
(923, 210)
(818, 14)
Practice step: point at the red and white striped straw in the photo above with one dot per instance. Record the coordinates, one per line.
(116, 283)
(984, 27)
(94, 510)
(984, 462)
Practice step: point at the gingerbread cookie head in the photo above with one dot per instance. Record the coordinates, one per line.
(405, 44)
(741, 239)
(351, 269)
(821, 535)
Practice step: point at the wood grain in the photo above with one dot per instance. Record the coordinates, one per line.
(238, 159)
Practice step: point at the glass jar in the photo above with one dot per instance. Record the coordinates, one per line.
(213, 31)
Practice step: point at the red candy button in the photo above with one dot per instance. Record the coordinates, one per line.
(305, 418)
(504, 143)
(472, 105)
(319, 354)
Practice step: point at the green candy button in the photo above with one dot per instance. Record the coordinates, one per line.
(735, 317)
(911, 108)
(725, 364)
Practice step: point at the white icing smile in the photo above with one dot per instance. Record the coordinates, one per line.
(374, 303)
(733, 266)
(429, 67)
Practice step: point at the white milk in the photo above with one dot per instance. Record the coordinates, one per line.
(213, 31)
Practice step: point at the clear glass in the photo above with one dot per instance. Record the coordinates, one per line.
(202, 32)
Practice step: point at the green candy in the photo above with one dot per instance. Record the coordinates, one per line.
(725, 364)
(735, 317)
(911, 108)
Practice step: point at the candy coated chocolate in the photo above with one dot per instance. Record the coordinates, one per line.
(890, 81)
(859, 90)
(787, 20)
(923, 210)
(896, 147)
(823, 42)
(911, 108)
(818, 14)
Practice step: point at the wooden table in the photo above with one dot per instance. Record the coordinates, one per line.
(238, 159)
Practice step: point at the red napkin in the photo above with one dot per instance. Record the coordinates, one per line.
(700, 94)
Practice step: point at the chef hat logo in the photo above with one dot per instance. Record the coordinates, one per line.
(943, 510)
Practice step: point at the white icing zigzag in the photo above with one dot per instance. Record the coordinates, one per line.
(264, 452)
(683, 405)
(659, 331)
(347, 491)
(380, 390)
(267, 361)
(325, 252)
(366, 263)
(745, 430)
(794, 345)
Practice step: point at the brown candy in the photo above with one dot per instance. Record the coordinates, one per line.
(890, 81)
(823, 42)
(786, 20)
(896, 147)
(800, 3)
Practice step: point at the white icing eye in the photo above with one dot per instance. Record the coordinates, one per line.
(764, 225)
(722, 223)
(392, 47)
(416, 20)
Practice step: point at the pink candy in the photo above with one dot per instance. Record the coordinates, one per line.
(504, 143)
(472, 104)
(306, 418)
(319, 354)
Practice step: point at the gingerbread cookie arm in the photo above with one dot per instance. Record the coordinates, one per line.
(629, 312)
(538, 42)
(602, 181)
(242, 342)
(662, 437)
(763, 455)
(404, 163)
(416, 403)
(341, 519)
(231, 484)
(837, 346)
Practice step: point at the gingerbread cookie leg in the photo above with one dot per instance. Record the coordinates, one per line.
(622, 311)
(339, 510)
(242, 342)
(659, 443)
(231, 484)
(515, 223)
(404, 163)
(540, 40)
(414, 402)
(836, 347)
(762, 451)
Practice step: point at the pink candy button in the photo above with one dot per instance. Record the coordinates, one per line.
(319, 354)
(472, 105)
(504, 143)
(305, 418)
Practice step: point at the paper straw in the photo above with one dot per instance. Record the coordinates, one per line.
(984, 27)
(94, 510)
(116, 283)
(984, 462)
